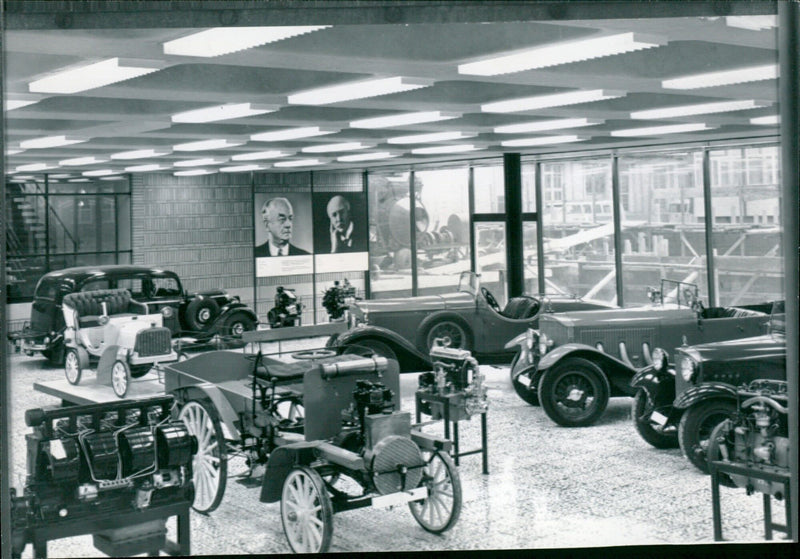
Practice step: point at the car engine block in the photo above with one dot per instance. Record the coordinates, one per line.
(455, 375)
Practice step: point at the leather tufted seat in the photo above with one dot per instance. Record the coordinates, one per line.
(89, 304)
(519, 308)
(729, 312)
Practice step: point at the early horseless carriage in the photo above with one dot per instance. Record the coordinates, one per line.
(313, 427)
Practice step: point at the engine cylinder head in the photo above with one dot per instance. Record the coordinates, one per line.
(175, 445)
(102, 455)
(58, 461)
(137, 450)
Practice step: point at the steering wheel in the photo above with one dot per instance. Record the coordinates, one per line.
(313, 354)
(492, 302)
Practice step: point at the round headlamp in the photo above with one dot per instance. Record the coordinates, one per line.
(687, 368)
(530, 338)
(660, 359)
(167, 312)
(544, 343)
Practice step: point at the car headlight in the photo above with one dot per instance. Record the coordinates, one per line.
(544, 343)
(167, 312)
(530, 338)
(660, 359)
(687, 368)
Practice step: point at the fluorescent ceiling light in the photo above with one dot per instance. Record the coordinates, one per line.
(60, 176)
(25, 177)
(404, 119)
(242, 168)
(194, 172)
(293, 133)
(145, 168)
(140, 153)
(770, 119)
(94, 75)
(657, 130)
(446, 149)
(208, 144)
(542, 141)
(12, 104)
(14, 151)
(200, 162)
(754, 23)
(701, 109)
(224, 40)
(367, 156)
(79, 180)
(433, 137)
(554, 100)
(223, 112)
(344, 146)
(544, 125)
(725, 77)
(357, 90)
(559, 53)
(112, 178)
(258, 155)
(99, 173)
(34, 167)
(299, 163)
(51, 142)
(89, 160)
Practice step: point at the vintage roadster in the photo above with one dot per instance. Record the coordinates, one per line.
(681, 405)
(574, 362)
(202, 315)
(406, 328)
(351, 435)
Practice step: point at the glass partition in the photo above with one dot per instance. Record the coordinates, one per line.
(489, 188)
(390, 234)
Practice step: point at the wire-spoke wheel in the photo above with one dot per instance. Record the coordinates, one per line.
(210, 463)
(306, 511)
(641, 410)
(72, 366)
(439, 511)
(697, 423)
(120, 377)
(450, 333)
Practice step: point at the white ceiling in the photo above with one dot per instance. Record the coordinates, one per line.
(135, 114)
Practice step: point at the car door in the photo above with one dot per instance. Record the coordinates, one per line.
(729, 327)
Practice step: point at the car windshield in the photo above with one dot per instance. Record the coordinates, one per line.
(777, 318)
(469, 282)
(678, 293)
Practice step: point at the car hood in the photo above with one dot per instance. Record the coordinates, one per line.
(427, 303)
(757, 347)
(616, 315)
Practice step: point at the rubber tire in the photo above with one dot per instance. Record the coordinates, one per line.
(124, 390)
(194, 311)
(714, 453)
(369, 347)
(237, 323)
(692, 420)
(416, 507)
(466, 334)
(529, 396)
(326, 507)
(550, 380)
(645, 429)
(219, 436)
(68, 356)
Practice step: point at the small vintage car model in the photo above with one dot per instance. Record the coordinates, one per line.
(109, 328)
(682, 405)
(201, 315)
(575, 361)
(471, 319)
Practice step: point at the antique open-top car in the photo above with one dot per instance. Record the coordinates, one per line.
(407, 328)
(313, 427)
(575, 361)
(681, 405)
(201, 315)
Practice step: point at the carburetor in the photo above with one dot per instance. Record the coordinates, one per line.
(455, 376)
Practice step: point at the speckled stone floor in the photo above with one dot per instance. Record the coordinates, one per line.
(548, 487)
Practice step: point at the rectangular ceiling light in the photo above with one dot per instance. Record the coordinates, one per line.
(14, 151)
(94, 75)
(753, 23)
(725, 77)
(543, 125)
(202, 145)
(224, 40)
(140, 153)
(99, 173)
(12, 104)
(299, 163)
(60, 176)
(559, 53)
(344, 146)
(223, 112)
(200, 162)
(404, 119)
(357, 90)
(89, 160)
(51, 142)
(194, 172)
(458, 148)
(433, 137)
(79, 180)
(34, 167)
(146, 168)
(367, 156)
(242, 168)
(553, 100)
(701, 109)
(542, 141)
(770, 119)
(112, 178)
(658, 130)
(293, 133)
(259, 155)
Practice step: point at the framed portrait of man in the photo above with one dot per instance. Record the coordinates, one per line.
(284, 241)
(340, 231)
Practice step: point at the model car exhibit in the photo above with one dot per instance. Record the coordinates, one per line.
(109, 328)
(352, 432)
(682, 404)
(406, 328)
(575, 361)
(201, 315)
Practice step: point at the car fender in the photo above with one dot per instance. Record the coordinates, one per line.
(618, 372)
(209, 391)
(408, 356)
(432, 318)
(703, 392)
(517, 341)
(280, 463)
(659, 385)
(234, 306)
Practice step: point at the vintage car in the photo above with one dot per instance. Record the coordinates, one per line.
(202, 314)
(406, 328)
(681, 405)
(575, 361)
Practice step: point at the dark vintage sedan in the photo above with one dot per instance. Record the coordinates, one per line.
(574, 362)
(406, 328)
(202, 315)
(681, 405)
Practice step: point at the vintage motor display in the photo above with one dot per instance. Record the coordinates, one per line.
(287, 309)
(456, 376)
(757, 437)
(125, 466)
(337, 299)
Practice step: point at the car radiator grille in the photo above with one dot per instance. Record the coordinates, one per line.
(611, 337)
(153, 341)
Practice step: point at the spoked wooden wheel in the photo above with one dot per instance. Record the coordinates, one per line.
(439, 511)
(306, 511)
(210, 463)
(72, 366)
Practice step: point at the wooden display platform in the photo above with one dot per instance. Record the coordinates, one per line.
(90, 392)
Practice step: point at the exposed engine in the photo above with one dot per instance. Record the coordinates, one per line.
(757, 437)
(99, 460)
(287, 309)
(455, 375)
(336, 299)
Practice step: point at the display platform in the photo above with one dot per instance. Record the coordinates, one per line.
(90, 392)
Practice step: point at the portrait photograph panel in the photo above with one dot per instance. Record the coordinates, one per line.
(284, 241)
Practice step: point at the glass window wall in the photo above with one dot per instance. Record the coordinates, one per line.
(390, 234)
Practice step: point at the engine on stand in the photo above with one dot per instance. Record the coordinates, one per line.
(287, 310)
(116, 470)
(455, 375)
(337, 299)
